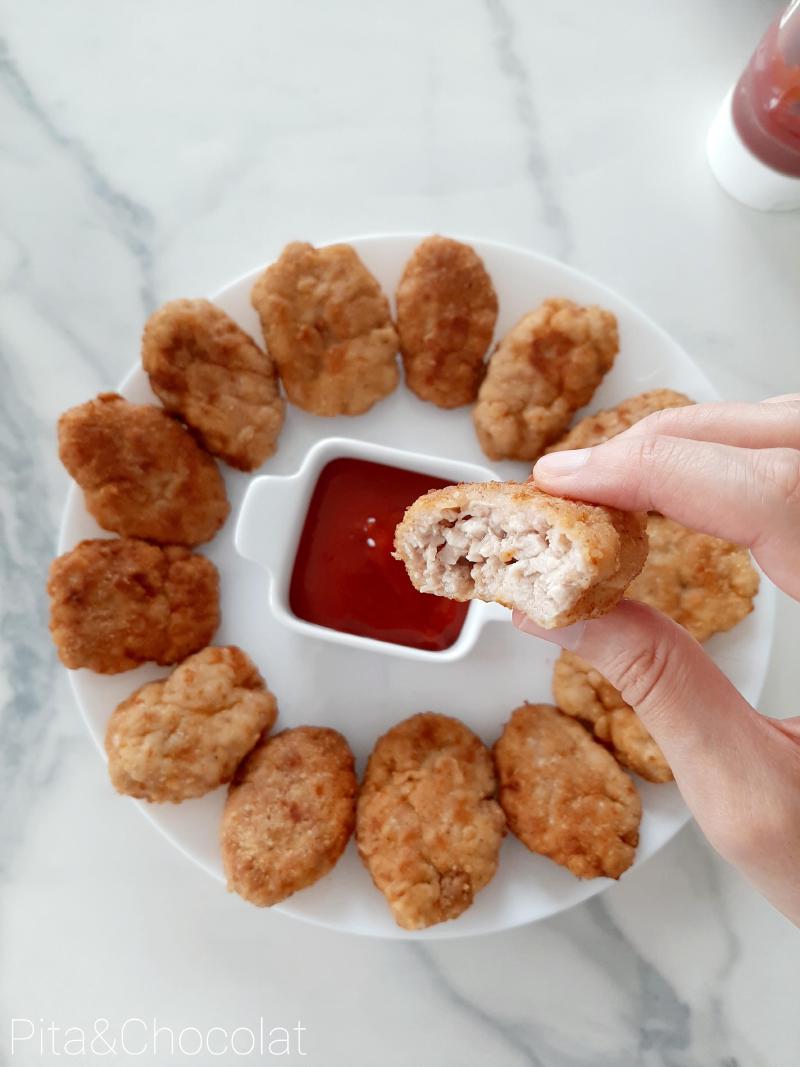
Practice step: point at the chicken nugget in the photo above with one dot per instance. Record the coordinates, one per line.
(289, 814)
(186, 735)
(556, 560)
(446, 312)
(564, 795)
(117, 604)
(328, 327)
(428, 827)
(212, 375)
(705, 584)
(582, 692)
(595, 429)
(142, 473)
(543, 370)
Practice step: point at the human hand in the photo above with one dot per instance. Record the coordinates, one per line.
(733, 471)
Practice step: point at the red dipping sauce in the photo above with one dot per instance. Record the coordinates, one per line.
(766, 101)
(344, 576)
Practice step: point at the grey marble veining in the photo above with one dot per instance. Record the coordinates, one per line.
(28, 668)
(154, 150)
(512, 66)
(130, 222)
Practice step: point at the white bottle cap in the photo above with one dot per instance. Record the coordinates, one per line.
(741, 174)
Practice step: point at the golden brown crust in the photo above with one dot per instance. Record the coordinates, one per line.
(142, 473)
(582, 692)
(211, 374)
(632, 554)
(595, 429)
(705, 584)
(289, 814)
(429, 829)
(116, 604)
(185, 735)
(446, 313)
(613, 542)
(564, 795)
(328, 327)
(542, 371)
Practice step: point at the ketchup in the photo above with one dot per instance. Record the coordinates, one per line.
(766, 100)
(344, 576)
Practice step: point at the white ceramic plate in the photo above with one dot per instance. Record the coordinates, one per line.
(363, 694)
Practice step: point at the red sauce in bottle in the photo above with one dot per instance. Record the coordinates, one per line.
(766, 100)
(344, 576)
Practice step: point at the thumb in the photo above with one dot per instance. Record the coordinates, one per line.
(704, 727)
(736, 769)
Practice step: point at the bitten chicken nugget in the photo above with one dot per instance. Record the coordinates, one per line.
(564, 795)
(289, 814)
(446, 311)
(117, 604)
(595, 429)
(702, 582)
(328, 327)
(556, 560)
(582, 692)
(428, 828)
(142, 473)
(210, 373)
(543, 370)
(186, 735)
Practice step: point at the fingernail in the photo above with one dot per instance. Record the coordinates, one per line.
(565, 636)
(562, 464)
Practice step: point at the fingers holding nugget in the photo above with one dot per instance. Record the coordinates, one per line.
(756, 492)
(558, 561)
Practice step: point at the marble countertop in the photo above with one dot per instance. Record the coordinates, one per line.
(151, 150)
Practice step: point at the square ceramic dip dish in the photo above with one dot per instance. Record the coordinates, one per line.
(325, 534)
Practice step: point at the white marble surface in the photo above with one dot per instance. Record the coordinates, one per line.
(149, 150)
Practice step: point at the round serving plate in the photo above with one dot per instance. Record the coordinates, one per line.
(362, 693)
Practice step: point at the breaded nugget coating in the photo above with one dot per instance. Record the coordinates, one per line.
(328, 327)
(595, 429)
(582, 692)
(564, 795)
(120, 603)
(542, 371)
(446, 313)
(213, 376)
(705, 584)
(555, 560)
(142, 473)
(289, 814)
(429, 829)
(186, 735)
